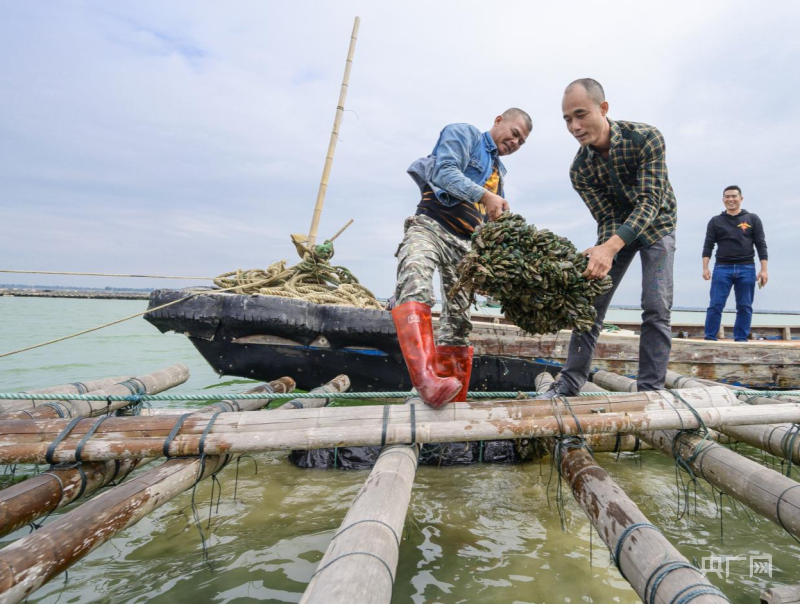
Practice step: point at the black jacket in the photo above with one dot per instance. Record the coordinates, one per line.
(735, 237)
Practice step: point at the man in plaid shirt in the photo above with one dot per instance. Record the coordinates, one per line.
(620, 172)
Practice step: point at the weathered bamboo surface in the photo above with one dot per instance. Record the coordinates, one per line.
(759, 364)
(767, 492)
(39, 495)
(26, 501)
(125, 438)
(30, 562)
(152, 383)
(614, 382)
(361, 560)
(641, 552)
(781, 594)
(341, 383)
(73, 388)
(781, 440)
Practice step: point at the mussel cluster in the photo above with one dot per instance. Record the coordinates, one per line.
(535, 275)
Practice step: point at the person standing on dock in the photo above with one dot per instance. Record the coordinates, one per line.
(461, 183)
(620, 172)
(735, 232)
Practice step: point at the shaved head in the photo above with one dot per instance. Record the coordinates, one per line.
(514, 113)
(592, 87)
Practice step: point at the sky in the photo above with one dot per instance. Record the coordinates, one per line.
(188, 138)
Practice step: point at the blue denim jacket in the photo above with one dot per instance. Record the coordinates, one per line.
(460, 164)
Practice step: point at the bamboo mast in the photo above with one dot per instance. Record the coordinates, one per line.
(765, 491)
(39, 495)
(151, 383)
(646, 559)
(361, 560)
(337, 121)
(72, 388)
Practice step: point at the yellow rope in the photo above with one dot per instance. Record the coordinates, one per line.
(103, 275)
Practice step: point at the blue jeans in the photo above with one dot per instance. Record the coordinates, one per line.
(742, 277)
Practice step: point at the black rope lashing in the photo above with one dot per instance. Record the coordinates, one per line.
(62, 411)
(87, 436)
(617, 549)
(659, 574)
(37, 525)
(173, 434)
(48, 456)
(387, 525)
(778, 510)
(80, 387)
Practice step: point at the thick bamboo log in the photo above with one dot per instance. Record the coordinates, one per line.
(781, 440)
(39, 495)
(73, 388)
(341, 383)
(543, 381)
(642, 554)
(781, 594)
(279, 386)
(613, 382)
(31, 499)
(151, 383)
(765, 491)
(244, 433)
(361, 560)
(30, 562)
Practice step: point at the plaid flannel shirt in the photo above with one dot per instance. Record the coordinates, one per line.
(628, 194)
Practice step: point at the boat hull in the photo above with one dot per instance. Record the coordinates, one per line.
(259, 337)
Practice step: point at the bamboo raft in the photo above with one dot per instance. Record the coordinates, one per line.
(91, 445)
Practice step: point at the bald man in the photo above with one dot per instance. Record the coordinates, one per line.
(620, 172)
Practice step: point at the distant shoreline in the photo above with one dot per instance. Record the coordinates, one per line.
(86, 294)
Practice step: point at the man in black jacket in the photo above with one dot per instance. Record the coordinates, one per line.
(735, 232)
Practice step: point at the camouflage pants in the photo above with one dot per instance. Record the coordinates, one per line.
(426, 247)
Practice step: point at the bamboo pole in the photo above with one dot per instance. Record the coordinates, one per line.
(152, 383)
(767, 492)
(269, 431)
(39, 495)
(73, 388)
(337, 121)
(642, 554)
(361, 560)
(781, 594)
(341, 383)
(613, 382)
(30, 562)
(781, 440)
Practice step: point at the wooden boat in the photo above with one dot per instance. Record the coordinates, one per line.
(258, 337)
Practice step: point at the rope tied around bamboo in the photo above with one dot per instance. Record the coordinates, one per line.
(313, 279)
(536, 275)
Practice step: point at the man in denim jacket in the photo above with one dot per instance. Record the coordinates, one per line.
(461, 183)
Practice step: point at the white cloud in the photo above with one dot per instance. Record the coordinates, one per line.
(190, 137)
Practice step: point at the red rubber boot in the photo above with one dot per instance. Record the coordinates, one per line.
(455, 361)
(415, 332)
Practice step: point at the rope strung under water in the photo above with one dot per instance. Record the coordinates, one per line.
(25, 396)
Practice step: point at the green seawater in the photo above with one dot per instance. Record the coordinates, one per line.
(473, 534)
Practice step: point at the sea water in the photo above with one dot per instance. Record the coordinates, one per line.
(483, 533)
